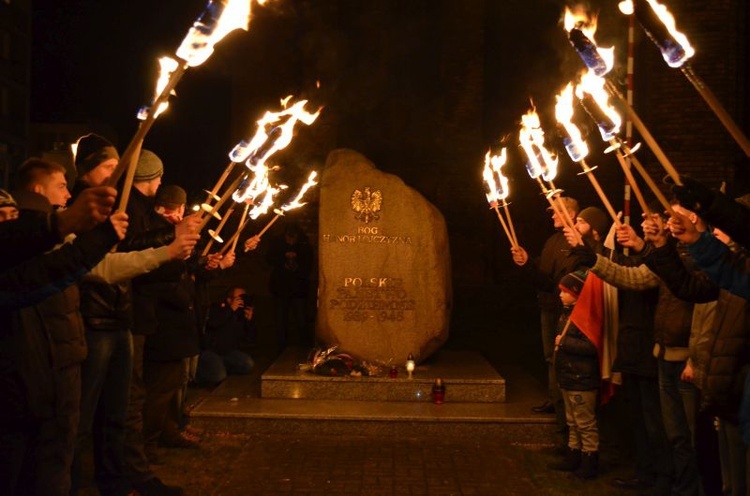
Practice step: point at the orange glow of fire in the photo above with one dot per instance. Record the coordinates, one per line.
(266, 203)
(531, 138)
(594, 86)
(295, 203)
(564, 115)
(167, 65)
(493, 168)
(198, 45)
(284, 121)
(578, 18)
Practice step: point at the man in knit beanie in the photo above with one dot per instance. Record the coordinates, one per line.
(592, 223)
(8, 206)
(95, 159)
(148, 173)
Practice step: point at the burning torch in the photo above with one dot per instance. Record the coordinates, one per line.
(261, 208)
(659, 25)
(274, 132)
(542, 164)
(291, 205)
(498, 191)
(595, 100)
(581, 29)
(219, 18)
(577, 148)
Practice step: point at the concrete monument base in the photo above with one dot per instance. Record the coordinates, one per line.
(467, 376)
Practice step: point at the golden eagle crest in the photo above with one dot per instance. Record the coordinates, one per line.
(367, 204)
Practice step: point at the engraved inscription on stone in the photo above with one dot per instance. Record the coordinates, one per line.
(377, 299)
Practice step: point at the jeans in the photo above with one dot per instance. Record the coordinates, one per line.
(580, 413)
(105, 386)
(678, 407)
(213, 368)
(136, 462)
(653, 452)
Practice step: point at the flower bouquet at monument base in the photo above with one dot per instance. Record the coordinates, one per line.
(333, 363)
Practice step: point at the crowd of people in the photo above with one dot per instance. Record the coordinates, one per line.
(661, 318)
(105, 320)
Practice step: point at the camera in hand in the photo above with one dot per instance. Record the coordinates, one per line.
(247, 300)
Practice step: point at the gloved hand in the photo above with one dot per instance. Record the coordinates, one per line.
(693, 195)
(584, 254)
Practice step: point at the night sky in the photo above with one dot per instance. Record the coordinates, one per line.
(95, 62)
(422, 88)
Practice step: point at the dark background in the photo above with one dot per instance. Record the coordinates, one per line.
(421, 87)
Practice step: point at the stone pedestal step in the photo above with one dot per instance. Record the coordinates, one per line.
(470, 420)
(467, 376)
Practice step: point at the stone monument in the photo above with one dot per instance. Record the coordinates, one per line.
(385, 280)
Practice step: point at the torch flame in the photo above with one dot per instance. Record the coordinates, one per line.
(587, 24)
(594, 86)
(219, 18)
(295, 203)
(492, 166)
(267, 202)
(666, 17)
(541, 162)
(273, 134)
(167, 65)
(574, 143)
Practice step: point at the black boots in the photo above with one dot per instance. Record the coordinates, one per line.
(571, 462)
(583, 465)
(589, 467)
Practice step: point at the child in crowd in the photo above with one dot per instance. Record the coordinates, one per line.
(577, 368)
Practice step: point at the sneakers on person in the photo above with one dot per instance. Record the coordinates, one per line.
(155, 487)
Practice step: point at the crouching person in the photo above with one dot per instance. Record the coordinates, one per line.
(228, 324)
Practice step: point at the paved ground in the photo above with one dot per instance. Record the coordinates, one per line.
(229, 464)
(260, 464)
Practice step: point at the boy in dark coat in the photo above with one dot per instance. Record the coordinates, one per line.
(577, 370)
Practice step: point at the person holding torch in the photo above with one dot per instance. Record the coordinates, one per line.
(554, 262)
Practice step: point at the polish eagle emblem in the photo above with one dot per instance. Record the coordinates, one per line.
(367, 204)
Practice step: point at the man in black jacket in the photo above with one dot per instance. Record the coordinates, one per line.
(39, 381)
(107, 311)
